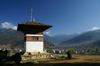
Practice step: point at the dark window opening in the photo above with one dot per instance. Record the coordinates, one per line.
(35, 38)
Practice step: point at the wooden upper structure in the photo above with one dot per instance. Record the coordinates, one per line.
(32, 27)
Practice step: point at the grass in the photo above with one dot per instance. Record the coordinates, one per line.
(81, 59)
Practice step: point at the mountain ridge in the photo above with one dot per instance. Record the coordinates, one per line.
(16, 38)
(86, 38)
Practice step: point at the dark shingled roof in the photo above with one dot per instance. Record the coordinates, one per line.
(33, 23)
(32, 27)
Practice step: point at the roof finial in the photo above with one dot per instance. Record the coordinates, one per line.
(33, 19)
(31, 13)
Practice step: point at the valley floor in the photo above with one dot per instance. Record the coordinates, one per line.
(77, 60)
(80, 59)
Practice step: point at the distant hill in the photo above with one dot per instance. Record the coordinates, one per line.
(50, 39)
(86, 38)
(63, 37)
(57, 39)
(14, 38)
(94, 44)
(47, 44)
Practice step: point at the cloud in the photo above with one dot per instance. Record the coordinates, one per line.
(47, 33)
(95, 28)
(8, 25)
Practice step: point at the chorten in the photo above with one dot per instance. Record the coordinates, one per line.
(33, 35)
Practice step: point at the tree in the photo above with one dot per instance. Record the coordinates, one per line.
(17, 58)
(69, 56)
(1, 56)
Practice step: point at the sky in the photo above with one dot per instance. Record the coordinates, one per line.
(66, 16)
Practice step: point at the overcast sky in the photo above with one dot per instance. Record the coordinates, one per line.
(66, 16)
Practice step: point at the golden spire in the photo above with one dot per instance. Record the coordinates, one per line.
(31, 13)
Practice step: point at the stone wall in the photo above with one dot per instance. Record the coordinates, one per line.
(39, 56)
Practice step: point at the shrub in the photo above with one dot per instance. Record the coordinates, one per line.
(69, 56)
(17, 58)
(5, 54)
(63, 57)
(50, 50)
(1, 56)
(1, 51)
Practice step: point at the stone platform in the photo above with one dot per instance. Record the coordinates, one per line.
(34, 53)
(38, 56)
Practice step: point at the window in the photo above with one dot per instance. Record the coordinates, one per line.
(35, 38)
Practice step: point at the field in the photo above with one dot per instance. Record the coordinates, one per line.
(77, 60)
(80, 59)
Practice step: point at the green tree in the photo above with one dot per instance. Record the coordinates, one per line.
(69, 55)
(17, 58)
(1, 56)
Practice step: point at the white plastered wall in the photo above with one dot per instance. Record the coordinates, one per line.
(33, 46)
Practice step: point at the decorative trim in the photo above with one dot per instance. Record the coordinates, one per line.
(33, 41)
(33, 35)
